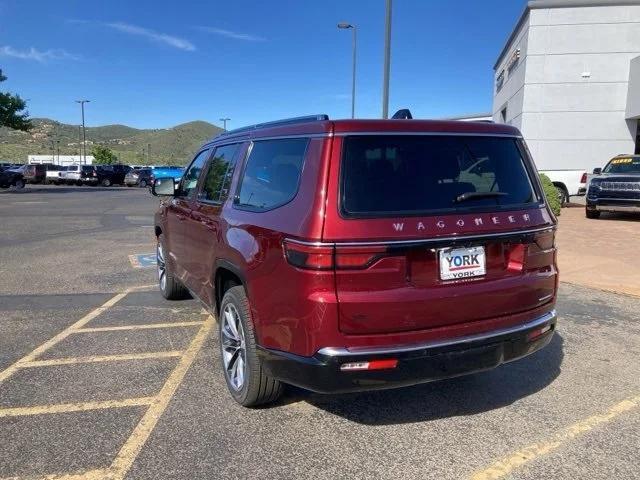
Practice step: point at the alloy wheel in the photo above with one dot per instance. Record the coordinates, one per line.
(162, 267)
(234, 351)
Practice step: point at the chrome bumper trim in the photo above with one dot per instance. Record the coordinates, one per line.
(548, 317)
(618, 208)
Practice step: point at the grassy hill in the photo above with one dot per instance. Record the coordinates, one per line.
(167, 145)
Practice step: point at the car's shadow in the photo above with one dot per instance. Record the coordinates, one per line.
(625, 217)
(460, 396)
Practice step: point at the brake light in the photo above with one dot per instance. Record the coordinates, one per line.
(326, 257)
(584, 178)
(515, 257)
(308, 256)
(357, 257)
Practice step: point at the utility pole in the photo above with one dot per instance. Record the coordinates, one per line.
(387, 61)
(148, 153)
(58, 142)
(224, 123)
(84, 135)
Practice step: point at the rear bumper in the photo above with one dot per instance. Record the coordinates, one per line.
(416, 363)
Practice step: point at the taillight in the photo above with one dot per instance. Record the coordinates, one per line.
(308, 256)
(584, 178)
(326, 257)
(370, 365)
(537, 254)
(515, 257)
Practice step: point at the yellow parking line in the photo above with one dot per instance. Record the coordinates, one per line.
(132, 447)
(503, 468)
(136, 327)
(100, 358)
(6, 373)
(74, 407)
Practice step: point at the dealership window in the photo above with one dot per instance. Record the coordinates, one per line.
(503, 115)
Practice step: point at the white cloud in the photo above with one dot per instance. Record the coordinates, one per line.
(170, 40)
(37, 55)
(247, 37)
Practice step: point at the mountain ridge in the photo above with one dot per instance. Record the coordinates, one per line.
(173, 145)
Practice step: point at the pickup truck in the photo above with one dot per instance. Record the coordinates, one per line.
(568, 183)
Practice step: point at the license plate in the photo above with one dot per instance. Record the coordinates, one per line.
(459, 263)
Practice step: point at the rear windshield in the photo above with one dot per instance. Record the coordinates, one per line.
(415, 174)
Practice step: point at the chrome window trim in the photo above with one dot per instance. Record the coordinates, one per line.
(431, 134)
(423, 240)
(548, 317)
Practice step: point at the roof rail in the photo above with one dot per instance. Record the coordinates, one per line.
(277, 123)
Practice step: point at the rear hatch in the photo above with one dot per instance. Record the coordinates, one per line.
(436, 230)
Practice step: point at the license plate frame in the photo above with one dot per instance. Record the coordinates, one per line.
(462, 263)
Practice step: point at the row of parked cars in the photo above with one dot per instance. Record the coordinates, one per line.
(105, 175)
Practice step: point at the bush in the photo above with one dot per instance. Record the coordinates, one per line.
(551, 193)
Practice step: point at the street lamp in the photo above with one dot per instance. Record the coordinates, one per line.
(387, 61)
(346, 26)
(224, 123)
(84, 135)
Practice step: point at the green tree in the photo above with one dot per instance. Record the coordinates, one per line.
(103, 155)
(11, 107)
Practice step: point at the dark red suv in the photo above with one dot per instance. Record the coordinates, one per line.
(362, 254)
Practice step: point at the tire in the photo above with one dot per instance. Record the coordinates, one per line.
(19, 184)
(170, 288)
(142, 183)
(129, 185)
(563, 195)
(241, 367)
(591, 213)
(106, 182)
(79, 183)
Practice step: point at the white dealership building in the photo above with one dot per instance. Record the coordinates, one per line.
(569, 78)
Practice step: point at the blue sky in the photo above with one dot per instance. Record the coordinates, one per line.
(155, 64)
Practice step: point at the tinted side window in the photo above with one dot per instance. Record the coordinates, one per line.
(190, 177)
(272, 173)
(220, 173)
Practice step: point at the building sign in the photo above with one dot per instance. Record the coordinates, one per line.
(500, 81)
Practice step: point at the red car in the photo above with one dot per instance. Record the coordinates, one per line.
(355, 255)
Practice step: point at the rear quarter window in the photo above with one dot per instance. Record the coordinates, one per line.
(272, 174)
(413, 175)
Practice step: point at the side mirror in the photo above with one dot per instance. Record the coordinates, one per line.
(597, 171)
(164, 187)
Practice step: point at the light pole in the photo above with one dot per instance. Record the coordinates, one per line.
(58, 143)
(84, 135)
(387, 61)
(224, 123)
(346, 26)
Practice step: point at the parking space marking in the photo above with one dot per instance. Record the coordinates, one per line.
(75, 407)
(6, 373)
(145, 326)
(143, 260)
(505, 467)
(133, 446)
(101, 358)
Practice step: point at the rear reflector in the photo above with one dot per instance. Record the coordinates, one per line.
(538, 332)
(372, 365)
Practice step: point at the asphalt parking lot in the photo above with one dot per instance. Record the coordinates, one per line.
(102, 378)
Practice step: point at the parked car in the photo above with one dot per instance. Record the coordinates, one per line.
(35, 173)
(112, 174)
(347, 255)
(168, 171)
(615, 188)
(568, 183)
(54, 174)
(138, 177)
(12, 177)
(80, 175)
